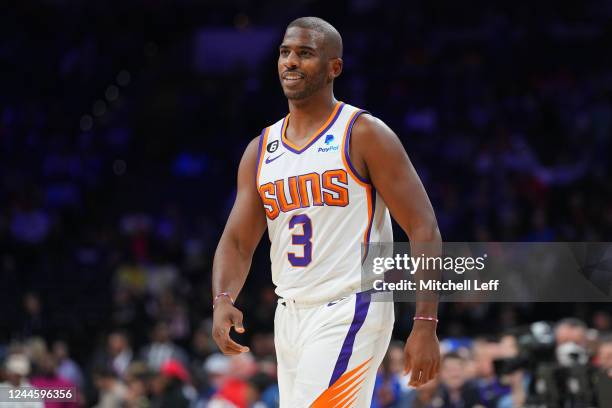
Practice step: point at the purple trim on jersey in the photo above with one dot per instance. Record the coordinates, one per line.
(347, 146)
(370, 223)
(321, 133)
(373, 198)
(362, 303)
(261, 138)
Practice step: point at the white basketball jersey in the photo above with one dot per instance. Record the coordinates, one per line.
(319, 210)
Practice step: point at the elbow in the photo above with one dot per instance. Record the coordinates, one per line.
(426, 232)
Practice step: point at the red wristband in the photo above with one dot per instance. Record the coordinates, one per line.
(429, 319)
(220, 295)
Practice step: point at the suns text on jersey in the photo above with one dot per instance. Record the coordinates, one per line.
(329, 188)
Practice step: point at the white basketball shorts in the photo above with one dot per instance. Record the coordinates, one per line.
(328, 354)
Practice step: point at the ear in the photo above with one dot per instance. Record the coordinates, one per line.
(335, 67)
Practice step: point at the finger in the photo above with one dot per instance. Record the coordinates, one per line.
(239, 328)
(226, 344)
(416, 375)
(407, 363)
(235, 346)
(230, 352)
(237, 323)
(431, 372)
(231, 348)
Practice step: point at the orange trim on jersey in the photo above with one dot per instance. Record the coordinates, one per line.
(311, 138)
(344, 391)
(262, 153)
(346, 154)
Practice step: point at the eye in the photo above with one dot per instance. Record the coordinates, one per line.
(284, 53)
(305, 53)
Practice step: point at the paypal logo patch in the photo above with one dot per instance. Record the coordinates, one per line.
(329, 139)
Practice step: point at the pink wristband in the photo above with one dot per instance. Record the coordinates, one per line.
(220, 295)
(429, 319)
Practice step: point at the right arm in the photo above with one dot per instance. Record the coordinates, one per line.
(243, 230)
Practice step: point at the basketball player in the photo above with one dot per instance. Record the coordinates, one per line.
(323, 180)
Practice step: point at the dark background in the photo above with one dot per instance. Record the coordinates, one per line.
(122, 124)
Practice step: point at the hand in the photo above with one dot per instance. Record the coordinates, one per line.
(422, 354)
(225, 316)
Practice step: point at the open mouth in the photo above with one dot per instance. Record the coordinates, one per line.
(292, 77)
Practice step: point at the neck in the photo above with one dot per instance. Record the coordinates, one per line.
(310, 110)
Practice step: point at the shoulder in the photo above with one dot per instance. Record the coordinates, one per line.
(250, 156)
(253, 148)
(369, 130)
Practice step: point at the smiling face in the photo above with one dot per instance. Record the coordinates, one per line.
(304, 63)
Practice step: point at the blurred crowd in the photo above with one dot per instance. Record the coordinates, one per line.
(492, 371)
(118, 159)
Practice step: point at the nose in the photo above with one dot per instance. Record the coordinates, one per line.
(292, 60)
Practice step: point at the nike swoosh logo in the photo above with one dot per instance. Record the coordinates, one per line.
(271, 159)
(335, 301)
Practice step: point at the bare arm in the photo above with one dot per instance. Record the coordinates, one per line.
(379, 156)
(242, 233)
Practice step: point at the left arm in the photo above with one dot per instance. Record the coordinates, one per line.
(373, 147)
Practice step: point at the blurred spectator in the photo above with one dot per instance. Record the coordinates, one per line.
(572, 341)
(129, 312)
(489, 388)
(202, 346)
(170, 387)
(116, 353)
(602, 321)
(67, 368)
(17, 369)
(137, 379)
(517, 380)
(387, 389)
(161, 348)
(426, 396)
(456, 390)
(571, 330)
(174, 312)
(112, 393)
(33, 321)
(136, 395)
(48, 378)
(216, 370)
(119, 352)
(396, 366)
(256, 388)
(604, 354)
(232, 388)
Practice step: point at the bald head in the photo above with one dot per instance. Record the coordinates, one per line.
(331, 41)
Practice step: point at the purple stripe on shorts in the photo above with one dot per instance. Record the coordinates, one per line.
(362, 304)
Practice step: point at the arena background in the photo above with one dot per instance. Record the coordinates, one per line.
(122, 124)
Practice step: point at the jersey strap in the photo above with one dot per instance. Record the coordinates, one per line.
(346, 142)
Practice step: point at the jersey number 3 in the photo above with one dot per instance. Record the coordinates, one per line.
(304, 239)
